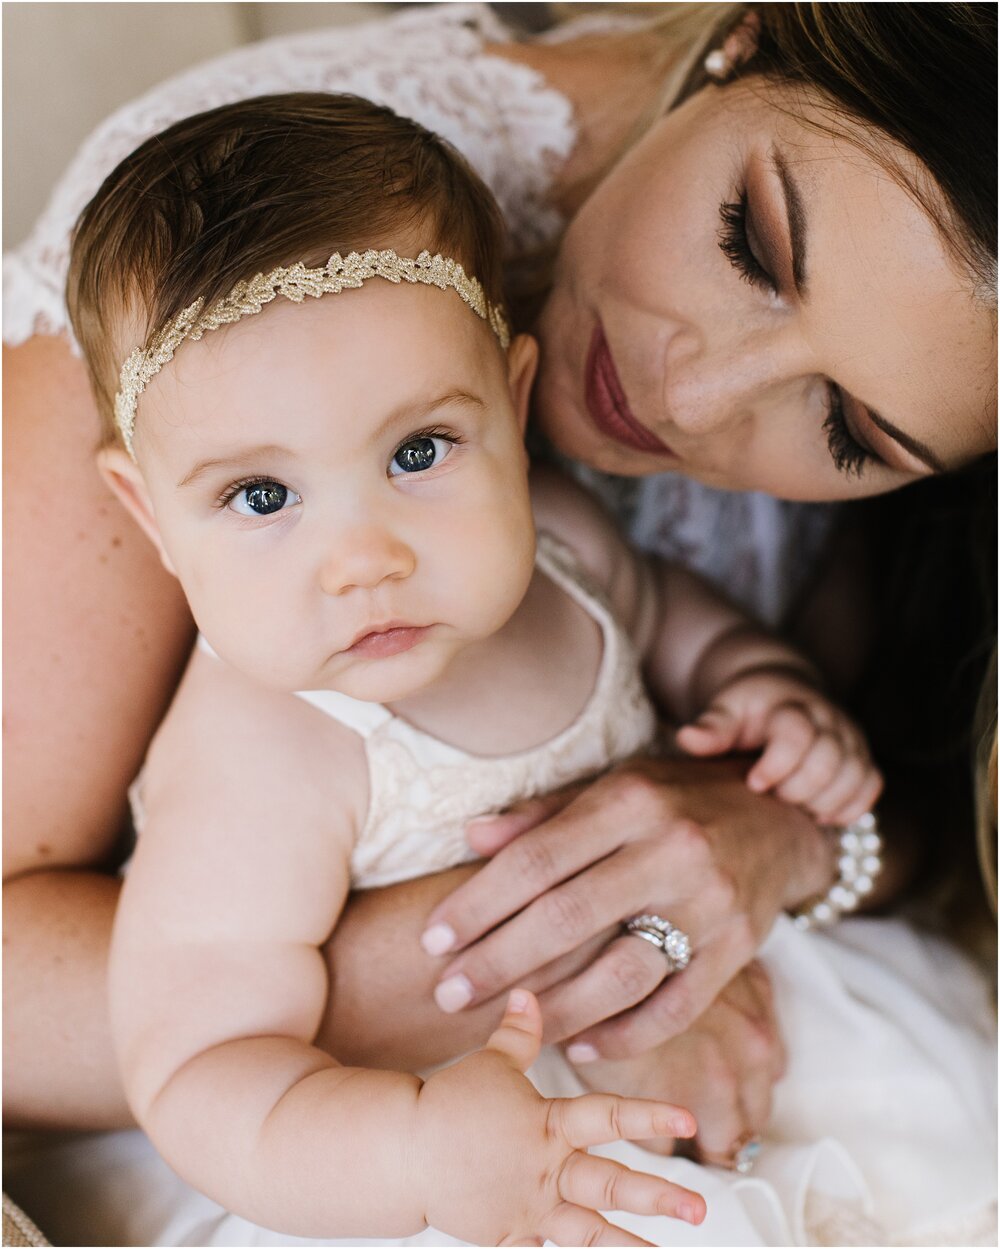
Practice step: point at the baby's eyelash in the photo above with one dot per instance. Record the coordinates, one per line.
(433, 431)
(849, 456)
(735, 244)
(234, 488)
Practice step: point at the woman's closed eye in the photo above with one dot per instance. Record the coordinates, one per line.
(738, 244)
(261, 496)
(740, 248)
(849, 456)
(421, 452)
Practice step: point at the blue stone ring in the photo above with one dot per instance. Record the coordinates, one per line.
(746, 1155)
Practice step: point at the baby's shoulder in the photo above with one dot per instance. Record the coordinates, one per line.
(227, 739)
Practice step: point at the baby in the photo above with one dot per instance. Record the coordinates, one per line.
(335, 471)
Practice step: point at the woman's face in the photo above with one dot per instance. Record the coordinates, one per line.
(759, 305)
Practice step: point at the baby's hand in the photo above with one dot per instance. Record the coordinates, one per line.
(503, 1165)
(813, 754)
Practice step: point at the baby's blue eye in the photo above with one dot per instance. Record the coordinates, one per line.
(416, 455)
(262, 498)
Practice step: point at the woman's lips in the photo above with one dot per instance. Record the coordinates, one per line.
(608, 406)
(382, 643)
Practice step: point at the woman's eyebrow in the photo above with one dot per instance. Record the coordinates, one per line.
(916, 448)
(795, 211)
(797, 231)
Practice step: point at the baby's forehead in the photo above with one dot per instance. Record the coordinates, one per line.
(369, 276)
(347, 367)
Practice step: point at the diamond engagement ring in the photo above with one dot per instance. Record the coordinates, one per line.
(674, 944)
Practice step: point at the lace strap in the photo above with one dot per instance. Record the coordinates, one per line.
(364, 718)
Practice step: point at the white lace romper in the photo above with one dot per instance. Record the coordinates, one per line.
(422, 791)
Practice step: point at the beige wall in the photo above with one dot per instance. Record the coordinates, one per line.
(66, 66)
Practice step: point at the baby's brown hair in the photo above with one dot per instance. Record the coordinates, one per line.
(230, 193)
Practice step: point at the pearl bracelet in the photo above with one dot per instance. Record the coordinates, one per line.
(859, 863)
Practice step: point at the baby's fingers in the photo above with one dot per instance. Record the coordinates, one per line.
(790, 734)
(573, 1225)
(858, 782)
(519, 1036)
(817, 769)
(599, 1118)
(600, 1184)
(714, 732)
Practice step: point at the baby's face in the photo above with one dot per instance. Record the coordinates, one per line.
(341, 487)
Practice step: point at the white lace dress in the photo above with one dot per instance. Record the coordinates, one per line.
(883, 1130)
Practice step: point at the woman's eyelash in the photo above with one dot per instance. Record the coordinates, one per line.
(849, 456)
(735, 244)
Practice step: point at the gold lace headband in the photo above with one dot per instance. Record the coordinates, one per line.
(294, 283)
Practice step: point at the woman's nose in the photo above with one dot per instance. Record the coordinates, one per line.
(712, 380)
(363, 558)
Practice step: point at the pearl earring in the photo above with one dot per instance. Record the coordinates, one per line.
(718, 65)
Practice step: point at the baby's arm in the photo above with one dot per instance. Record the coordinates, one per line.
(729, 683)
(218, 988)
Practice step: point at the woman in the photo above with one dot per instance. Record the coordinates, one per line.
(765, 293)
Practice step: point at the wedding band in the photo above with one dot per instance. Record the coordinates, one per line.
(674, 944)
(747, 1154)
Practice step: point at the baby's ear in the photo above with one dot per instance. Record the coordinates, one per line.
(522, 361)
(126, 482)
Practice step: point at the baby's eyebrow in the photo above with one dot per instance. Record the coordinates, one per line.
(245, 454)
(418, 409)
(412, 410)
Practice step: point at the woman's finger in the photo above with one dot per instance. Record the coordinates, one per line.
(530, 866)
(625, 973)
(681, 998)
(600, 1184)
(668, 1011)
(555, 923)
(487, 834)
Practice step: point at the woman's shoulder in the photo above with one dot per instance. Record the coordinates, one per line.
(437, 64)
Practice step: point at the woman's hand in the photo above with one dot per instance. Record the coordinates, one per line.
(723, 1069)
(680, 838)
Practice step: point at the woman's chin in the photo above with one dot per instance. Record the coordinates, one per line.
(572, 434)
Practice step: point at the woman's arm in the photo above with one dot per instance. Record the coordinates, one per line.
(96, 635)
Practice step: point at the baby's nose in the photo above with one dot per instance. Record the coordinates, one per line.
(363, 559)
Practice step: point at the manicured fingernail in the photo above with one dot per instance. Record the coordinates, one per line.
(438, 939)
(687, 1213)
(581, 1052)
(517, 1002)
(480, 821)
(454, 993)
